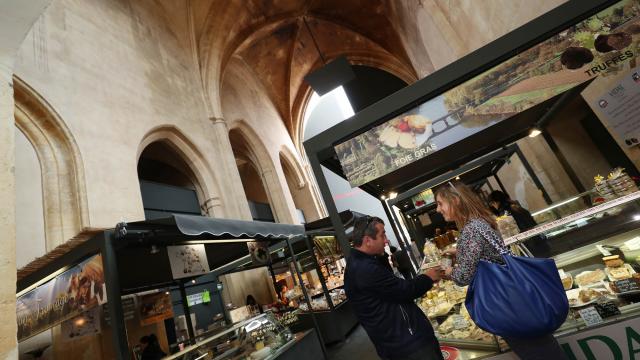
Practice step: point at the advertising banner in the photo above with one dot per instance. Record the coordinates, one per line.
(604, 44)
(69, 294)
(155, 308)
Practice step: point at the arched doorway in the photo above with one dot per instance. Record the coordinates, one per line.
(252, 178)
(167, 183)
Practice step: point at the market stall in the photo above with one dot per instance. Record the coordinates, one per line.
(562, 76)
(148, 259)
(321, 265)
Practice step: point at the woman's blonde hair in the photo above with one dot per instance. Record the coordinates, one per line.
(465, 204)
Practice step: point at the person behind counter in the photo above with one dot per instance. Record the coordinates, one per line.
(501, 203)
(151, 348)
(383, 303)
(403, 262)
(478, 234)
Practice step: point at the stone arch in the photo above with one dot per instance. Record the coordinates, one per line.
(301, 190)
(63, 184)
(375, 59)
(271, 178)
(198, 169)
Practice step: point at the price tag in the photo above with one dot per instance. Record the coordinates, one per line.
(607, 309)
(459, 322)
(590, 316)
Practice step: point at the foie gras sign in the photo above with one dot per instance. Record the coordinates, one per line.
(605, 43)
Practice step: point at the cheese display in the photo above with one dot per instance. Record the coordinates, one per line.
(590, 277)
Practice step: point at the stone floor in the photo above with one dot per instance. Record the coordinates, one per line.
(357, 346)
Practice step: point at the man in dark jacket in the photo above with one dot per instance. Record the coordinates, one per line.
(384, 303)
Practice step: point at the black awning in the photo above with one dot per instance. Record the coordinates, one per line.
(185, 227)
(348, 218)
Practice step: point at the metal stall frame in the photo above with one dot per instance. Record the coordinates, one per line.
(319, 149)
(189, 228)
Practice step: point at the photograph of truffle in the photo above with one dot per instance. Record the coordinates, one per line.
(617, 41)
(576, 57)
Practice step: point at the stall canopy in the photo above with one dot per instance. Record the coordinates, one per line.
(325, 226)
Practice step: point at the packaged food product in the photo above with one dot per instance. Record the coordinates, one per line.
(613, 261)
(590, 277)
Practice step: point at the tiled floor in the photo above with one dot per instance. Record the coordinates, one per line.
(357, 346)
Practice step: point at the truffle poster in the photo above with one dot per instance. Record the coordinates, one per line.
(603, 45)
(619, 108)
(67, 295)
(188, 260)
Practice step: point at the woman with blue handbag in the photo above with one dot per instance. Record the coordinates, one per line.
(520, 299)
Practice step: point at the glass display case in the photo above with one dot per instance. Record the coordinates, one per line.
(261, 337)
(599, 261)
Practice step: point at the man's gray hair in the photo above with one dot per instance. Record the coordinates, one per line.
(364, 226)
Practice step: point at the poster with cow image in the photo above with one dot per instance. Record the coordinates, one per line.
(605, 44)
(67, 295)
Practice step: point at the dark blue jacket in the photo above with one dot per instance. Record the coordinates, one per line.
(385, 306)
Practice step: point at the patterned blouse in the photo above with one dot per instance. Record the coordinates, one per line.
(478, 240)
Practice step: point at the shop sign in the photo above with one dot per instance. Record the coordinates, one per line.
(155, 308)
(619, 108)
(605, 43)
(188, 260)
(67, 295)
(619, 341)
(199, 298)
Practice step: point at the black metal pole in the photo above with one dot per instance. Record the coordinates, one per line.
(323, 283)
(401, 240)
(330, 204)
(114, 301)
(187, 313)
(307, 299)
(504, 190)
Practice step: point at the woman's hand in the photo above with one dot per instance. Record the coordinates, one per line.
(450, 251)
(447, 273)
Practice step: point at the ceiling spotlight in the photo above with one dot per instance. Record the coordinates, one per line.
(392, 195)
(193, 281)
(383, 197)
(458, 177)
(534, 132)
(636, 217)
(154, 250)
(167, 293)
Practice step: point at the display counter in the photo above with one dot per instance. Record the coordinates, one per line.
(261, 337)
(599, 265)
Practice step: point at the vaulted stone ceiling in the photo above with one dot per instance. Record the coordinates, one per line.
(408, 38)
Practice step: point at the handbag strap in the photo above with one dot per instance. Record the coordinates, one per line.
(493, 237)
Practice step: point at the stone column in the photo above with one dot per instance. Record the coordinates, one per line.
(8, 329)
(234, 198)
(282, 203)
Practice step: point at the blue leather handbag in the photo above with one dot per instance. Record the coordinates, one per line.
(523, 298)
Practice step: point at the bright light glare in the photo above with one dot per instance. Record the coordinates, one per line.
(534, 132)
(636, 217)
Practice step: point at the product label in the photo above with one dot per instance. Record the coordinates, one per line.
(590, 316)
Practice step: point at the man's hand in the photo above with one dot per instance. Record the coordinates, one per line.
(451, 251)
(435, 273)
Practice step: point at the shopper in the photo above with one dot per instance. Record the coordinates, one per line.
(403, 263)
(384, 303)
(457, 203)
(501, 203)
(151, 348)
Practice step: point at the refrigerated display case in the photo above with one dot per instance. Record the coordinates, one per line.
(261, 337)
